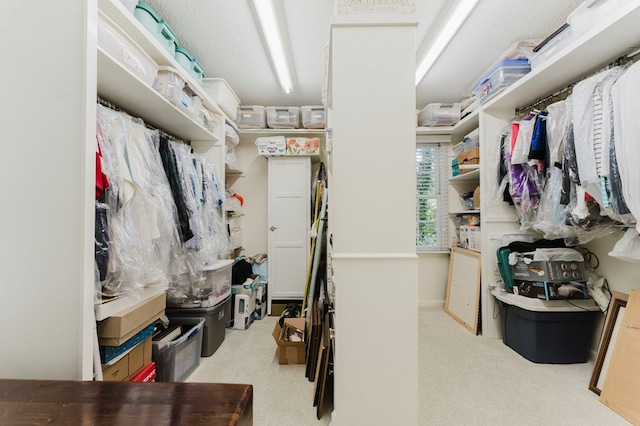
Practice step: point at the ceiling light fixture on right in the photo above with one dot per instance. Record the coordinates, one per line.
(457, 17)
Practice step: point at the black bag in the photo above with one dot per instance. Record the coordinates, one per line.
(292, 310)
(240, 271)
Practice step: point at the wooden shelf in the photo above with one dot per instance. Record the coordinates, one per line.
(121, 87)
(138, 33)
(464, 212)
(471, 176)
(318, 133)
(588, 53)
(231, 171)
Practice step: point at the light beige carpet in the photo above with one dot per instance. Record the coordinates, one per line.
(463, 380)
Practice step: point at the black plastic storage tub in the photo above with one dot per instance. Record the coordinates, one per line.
(548, 336)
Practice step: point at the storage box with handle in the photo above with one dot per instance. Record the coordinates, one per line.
(222, 94)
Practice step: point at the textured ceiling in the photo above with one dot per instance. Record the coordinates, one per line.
(223, 36)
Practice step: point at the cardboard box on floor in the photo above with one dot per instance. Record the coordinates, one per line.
(290, 352)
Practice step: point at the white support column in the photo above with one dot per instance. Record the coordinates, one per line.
(47, 182)
(372, 216)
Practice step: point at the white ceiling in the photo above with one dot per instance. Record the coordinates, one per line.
(223, 36)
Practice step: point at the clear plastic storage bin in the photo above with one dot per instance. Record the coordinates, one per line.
(439, 114)
(283, 117)
(176, 360)
(313, 117)
(169, 84)
(218, 279)
(251, 117)
(500, 77)
(223, 94)
(125, 51)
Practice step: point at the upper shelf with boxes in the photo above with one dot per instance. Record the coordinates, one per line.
(141, 61)
(282, 131)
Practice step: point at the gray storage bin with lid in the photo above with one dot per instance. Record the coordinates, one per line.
(215, 321)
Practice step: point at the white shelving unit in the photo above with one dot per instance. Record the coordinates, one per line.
(116, 84)
(610, 38)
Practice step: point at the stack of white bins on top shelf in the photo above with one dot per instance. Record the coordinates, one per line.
(251, 117)
(283, 117)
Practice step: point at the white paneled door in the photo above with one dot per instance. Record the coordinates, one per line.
(288, 227)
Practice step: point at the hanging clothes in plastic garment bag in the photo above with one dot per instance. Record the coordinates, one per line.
(551, 213)
(588, 118)
(627, 142)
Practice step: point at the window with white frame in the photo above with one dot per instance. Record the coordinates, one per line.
(431, 196)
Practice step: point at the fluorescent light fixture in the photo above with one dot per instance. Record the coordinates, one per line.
(269, 24)
(454, 22)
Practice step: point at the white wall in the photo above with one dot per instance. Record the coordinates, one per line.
(47, 181)
(252, 186)
(433, 269)
(372, 216)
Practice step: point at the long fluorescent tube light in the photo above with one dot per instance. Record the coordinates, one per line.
(444, 36)
(269, 24)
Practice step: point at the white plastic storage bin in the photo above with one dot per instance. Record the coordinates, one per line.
(218, 279)
(251, 117)
(439, 114)
(283, 117)
(223, 94)
(313, 117)
(272, 145)
(125, 51)
(500, 77)
(551, 48)
(169, 84)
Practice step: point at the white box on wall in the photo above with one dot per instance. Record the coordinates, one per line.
(470, 237)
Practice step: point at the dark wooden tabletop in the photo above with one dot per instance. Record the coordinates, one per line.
(73, 403)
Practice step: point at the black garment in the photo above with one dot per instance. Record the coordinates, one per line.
(173, 176)
(570, 174)
(502, 169)
(102, 237)
(240, 271)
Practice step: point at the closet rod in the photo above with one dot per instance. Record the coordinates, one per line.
(109, 105)
(563, 93)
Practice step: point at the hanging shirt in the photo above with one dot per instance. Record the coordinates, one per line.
(627, 136)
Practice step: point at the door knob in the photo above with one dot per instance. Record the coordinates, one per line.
(273, 228)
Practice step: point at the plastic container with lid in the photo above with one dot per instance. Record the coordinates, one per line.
(439, 114)
(251, 117)
(283, 117)
(223, 94)
(125, 51)
(157, 26)
(169, 84)
(500, 77)
(313, 117)
(189, 63)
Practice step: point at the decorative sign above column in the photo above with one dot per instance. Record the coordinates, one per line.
(366, 7)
